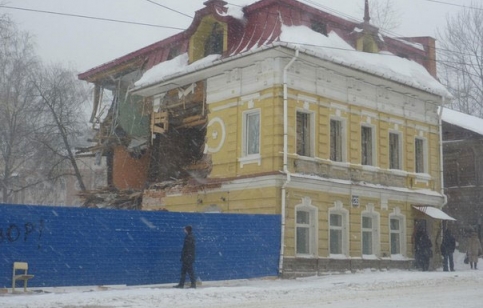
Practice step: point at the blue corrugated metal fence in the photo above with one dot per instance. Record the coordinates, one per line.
(77, 246)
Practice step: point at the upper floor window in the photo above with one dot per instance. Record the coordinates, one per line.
(319, 27)
(214, 42)
(306, 229)
(460, 170)
(419, 155)
(367, 146)
(304, 134)
(251, 138)
(394, 151)
(336, 140)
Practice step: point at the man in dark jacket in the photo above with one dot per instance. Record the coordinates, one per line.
(423, 247)
(447, 249)
(187, 258)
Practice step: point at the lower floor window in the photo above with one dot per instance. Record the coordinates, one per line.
(303, 232)
(367, 235)
(306, 228)
(396, 234)
(336, 234)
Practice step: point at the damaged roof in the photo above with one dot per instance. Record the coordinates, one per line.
(250, 27)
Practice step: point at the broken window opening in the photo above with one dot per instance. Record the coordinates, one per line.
(214, 42)
(319, 27)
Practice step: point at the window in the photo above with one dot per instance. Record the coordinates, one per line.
(338, 233)
(419, 155)
(304, 139)
(396, 235)
(319, 27)
(335, 233)
(252, 133)
(367, 235)
(370, 231)
(214, 43)
(397, 232)
(336, 140)
(306, 216)
(366, 145)
(394, 151)
(303, 232)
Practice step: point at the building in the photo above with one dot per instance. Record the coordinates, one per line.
(280, 107)
(463, 169)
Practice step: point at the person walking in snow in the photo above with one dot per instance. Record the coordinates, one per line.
(474, 249)
(423, 247)
(447, 249)
(187, 259)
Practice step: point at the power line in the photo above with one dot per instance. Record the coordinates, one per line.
(182, 29)
(458, 5)
(90, 17)
(168, 8)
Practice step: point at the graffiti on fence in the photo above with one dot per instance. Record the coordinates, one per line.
(21, 232)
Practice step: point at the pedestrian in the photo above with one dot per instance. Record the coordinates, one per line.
(447, 249)
(423, 249)
(474, 249)
(187, 259)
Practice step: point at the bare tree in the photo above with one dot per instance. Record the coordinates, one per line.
(18, 117)
(62, 100)
(41, 119)
(461, 59)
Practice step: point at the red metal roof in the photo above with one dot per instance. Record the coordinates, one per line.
(262, 26)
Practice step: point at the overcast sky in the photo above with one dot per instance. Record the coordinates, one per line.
(85, 43)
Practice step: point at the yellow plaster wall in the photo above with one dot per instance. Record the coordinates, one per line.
(226, 161)
(268, 200)
(264, 200)
(324, 201)
(197, 41)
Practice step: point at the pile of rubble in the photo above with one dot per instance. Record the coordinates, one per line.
(112, 198)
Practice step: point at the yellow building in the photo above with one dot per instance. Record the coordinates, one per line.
(284, 109)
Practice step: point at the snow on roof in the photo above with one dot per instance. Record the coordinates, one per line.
(434, 212)
(415, 45)
(332, 48)
(463, 120)
(234, 11)
(384, 64)
(172, 67)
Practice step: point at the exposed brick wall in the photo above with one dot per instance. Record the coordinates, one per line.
(129, 172)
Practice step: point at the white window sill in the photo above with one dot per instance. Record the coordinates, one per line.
(250, 159)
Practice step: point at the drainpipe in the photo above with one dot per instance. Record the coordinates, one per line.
(440, 120)
(285, 154)
(445, 198)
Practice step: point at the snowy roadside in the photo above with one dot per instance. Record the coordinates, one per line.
(369, 288)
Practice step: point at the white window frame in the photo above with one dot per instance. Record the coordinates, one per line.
(307, 207)
(396, 214)
(424, 157)
(400, 152)
(253, 157)
(373, 145)
(338, 209)
(311, 119)
(342, 138)
(375, 220)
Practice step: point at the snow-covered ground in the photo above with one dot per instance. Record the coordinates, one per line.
(375, 289)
